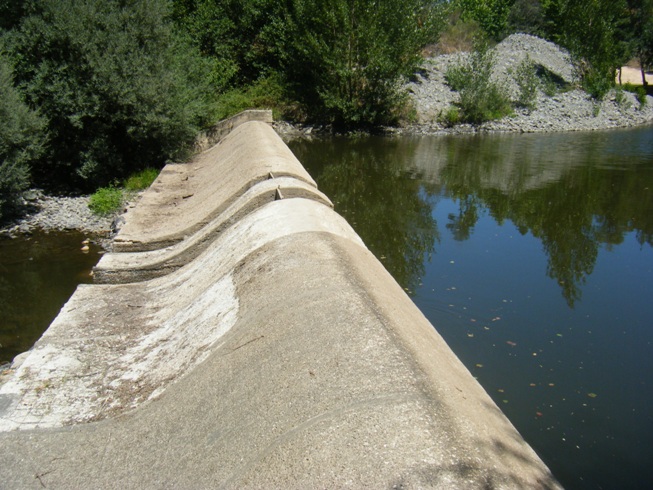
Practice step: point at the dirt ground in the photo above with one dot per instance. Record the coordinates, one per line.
(634, 76)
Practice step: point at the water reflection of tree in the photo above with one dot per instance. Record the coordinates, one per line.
(586, 207)
(366, 180)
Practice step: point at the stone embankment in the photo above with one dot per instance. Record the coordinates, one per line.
(571, 109)
(262, 346)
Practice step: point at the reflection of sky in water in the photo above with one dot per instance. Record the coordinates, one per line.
(553, 316)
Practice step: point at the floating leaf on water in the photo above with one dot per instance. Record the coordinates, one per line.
(592, 395)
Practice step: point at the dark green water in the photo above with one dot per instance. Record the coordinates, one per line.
(532, 256)
(37, 276)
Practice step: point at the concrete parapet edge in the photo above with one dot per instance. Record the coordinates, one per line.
(218, 131)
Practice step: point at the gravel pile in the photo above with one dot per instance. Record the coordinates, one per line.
(572, 110)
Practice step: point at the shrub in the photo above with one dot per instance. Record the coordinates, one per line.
(639, 91)
(620, 99)
(481, 99)
(106, 200)
(528, 83)
(118, 88)
(450, 117)
(266, 93)
(20, 141)
(346, 59)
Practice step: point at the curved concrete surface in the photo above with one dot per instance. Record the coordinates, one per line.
(139, 266)
(275, 352)
(318, 371)
(185, 197)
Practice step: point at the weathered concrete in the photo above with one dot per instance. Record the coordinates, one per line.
(139, 266)
(186, 197)
(217, 132)
(283, 355)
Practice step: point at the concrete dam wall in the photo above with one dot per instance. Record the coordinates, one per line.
(241, 335)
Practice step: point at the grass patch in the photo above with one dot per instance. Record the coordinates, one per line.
(109, 200)
(141, 180)
(106, 200)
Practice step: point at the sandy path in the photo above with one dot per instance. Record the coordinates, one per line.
(634, 76)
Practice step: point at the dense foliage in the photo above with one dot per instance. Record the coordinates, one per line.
(20, 140)
(347, 59)
(118, 89)
(343, 60)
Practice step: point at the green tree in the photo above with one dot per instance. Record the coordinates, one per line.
(233, 33)
(345, 59)
(641, 29)
(491, 15)
(590, 30)
(20, 140)
(120, 91)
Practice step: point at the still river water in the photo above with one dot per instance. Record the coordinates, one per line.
(531, 255)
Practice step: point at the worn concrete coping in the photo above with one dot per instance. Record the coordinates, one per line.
(185, 197)
(283, 356)
(213, 135)
(139, 266)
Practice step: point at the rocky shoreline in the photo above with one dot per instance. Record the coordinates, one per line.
(571, 110)
(567, 110)
(39, 211)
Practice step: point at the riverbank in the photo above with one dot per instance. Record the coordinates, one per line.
(568, 109)
(40, 211)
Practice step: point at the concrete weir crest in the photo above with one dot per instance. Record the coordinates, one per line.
(241, 335)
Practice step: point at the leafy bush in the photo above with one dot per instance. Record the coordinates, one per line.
(528, 83)
(118, 88)
(639, 91)
(20, 141)
(590, 30)
(481, 99)
(450, 117)
(106, 200)
(346, 59)
(492, 15)
(620, 98)
(266, 93)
